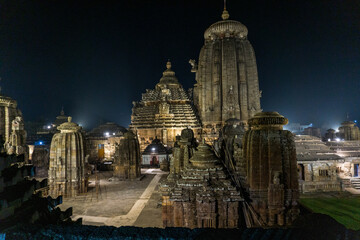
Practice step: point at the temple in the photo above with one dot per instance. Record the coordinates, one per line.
(67, 161)
(127, 158)
(198, 192)
(271, 170)
(163, 112)
(227, 83)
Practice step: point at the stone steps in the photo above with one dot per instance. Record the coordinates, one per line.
(355, 183)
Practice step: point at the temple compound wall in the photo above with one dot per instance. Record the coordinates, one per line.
(67, 161)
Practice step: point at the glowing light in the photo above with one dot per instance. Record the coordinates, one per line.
(329, 139)
(41, 143)
(107, 134)
(49, 127)
(337, 139)
(113, 133)
(153, 149)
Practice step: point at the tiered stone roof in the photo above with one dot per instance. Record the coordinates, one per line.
(168, 105)
(310, 148)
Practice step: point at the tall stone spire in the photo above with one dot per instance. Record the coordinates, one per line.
(226, 75)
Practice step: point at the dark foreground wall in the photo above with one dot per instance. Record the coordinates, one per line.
(314, 226)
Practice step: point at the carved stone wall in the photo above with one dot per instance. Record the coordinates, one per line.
(67, 161)
(272, 176)
(227, 79)
(163, 112)
(127, 158)
(200, 195)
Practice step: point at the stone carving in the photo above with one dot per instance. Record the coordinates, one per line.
(202, 195)
(164, 108)
(17, 142)
(271, 174)
(193, 65)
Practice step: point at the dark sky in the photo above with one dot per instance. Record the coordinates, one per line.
(96, 57)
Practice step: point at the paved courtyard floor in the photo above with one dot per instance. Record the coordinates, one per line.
(119, 203)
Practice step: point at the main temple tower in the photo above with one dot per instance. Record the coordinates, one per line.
(227, 79)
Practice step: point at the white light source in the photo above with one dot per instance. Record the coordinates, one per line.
(49, 127)
(329, 139)
(107, 134)
(337, 139)
(153, 149)
(113, 133)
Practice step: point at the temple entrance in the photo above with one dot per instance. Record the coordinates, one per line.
(154, 161)
(101, 151)
(356, 170)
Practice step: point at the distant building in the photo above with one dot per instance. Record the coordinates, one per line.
(333, 165)
(317, 165)
(312, 131)
(100, 141)
(349, 131)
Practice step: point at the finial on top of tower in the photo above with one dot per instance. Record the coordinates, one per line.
(225, 15)
(168, 64)
(69, 119)
(62, 113)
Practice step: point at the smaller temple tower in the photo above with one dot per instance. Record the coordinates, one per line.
(349, 131)
(202, 196)
(67, 162)
(182, 152)
(272, 178)
(127, 158)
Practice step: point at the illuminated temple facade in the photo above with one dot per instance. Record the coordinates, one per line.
(163, 112)
(227, 87)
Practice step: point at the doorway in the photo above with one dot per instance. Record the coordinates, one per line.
(356, 170)
(101, 151)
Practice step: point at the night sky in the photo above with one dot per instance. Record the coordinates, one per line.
(96, 57)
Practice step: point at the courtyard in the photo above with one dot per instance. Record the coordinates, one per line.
(119, 203)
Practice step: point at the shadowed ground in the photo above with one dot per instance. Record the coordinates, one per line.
(345, 210)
